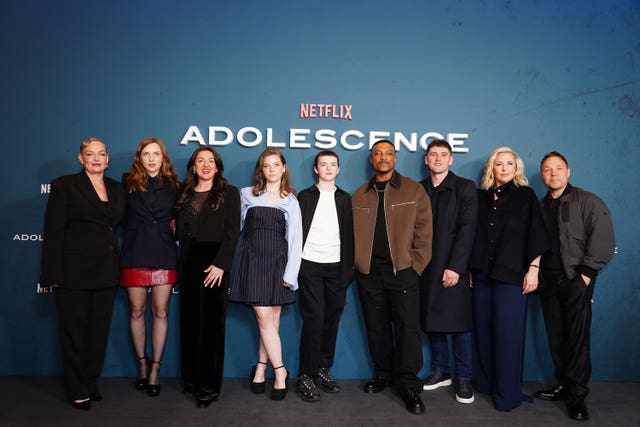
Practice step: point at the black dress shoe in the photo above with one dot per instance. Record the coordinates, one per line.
(153, 390)
(376, 385)
(555, 393)
(205, 399)
(85, 405)
(95, 397)
(142, 383)
(280, 393)
(413, 402)
(257, 388)
(577, 408)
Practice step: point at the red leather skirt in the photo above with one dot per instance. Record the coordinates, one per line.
(130, 277)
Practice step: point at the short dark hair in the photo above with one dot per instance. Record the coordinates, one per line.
(438, 143)
(382, 141)
(553, 154)
(326, 153)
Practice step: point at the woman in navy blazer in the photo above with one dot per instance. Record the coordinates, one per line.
(80, 261)
(149, 258)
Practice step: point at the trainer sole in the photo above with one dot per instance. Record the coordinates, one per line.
(437, 385)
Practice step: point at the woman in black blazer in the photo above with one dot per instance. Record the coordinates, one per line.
(207, 226)
(80, 261)
(149, 256)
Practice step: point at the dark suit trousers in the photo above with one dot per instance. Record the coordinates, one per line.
(387, 298)
(202, 319)
(566, 305)
(321, 301)
(84, 317)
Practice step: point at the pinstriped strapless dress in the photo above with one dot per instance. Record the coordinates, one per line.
(259, 271)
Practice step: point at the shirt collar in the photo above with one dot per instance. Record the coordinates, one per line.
(504, 189)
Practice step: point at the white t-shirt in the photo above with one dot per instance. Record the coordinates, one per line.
(323, 241)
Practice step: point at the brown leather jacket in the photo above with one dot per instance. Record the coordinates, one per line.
(408, 216)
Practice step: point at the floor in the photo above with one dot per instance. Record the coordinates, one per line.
(38, 401)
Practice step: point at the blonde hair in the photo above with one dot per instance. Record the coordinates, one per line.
(488, 180)
(84, 144)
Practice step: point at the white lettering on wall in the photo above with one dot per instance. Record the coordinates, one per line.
(351, 139)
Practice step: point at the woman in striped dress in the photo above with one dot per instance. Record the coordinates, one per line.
(266, 273)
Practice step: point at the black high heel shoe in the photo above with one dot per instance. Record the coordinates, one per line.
(84, 405)
(280, 393)
(153, 390)
(142, 383)
(257, 388)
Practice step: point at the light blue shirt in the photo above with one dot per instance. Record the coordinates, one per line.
(289, 205)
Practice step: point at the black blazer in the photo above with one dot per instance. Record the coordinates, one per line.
(221, 226)
(308, 199)
(80, 248)
(148, 240)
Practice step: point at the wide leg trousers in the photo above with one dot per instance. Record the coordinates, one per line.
(499, 317)
(84, 317)
(202, 320)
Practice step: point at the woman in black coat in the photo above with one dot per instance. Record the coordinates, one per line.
(510, 238)
(149, 256)
(80, 261)
(208, 226)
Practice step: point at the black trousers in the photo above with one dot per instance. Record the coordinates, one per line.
(202, 320)
(566, 306)
(321, 300)
(391, 306)
(84, 317)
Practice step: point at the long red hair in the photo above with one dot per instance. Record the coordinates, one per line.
(137, 176)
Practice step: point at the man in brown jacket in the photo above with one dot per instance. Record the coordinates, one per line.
(392, 233)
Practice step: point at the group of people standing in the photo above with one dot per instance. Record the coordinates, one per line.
(491, 248)
(437, 255)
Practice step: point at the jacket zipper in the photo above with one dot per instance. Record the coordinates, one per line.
(386, 226)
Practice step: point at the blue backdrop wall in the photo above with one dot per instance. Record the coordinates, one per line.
(535, 75)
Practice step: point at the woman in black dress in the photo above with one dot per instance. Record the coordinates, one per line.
(80, 261)
(266, 273)
(149, 256)
(207, 226)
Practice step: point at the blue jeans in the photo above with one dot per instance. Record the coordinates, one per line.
(461, 352)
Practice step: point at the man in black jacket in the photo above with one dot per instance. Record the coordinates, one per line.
(445, 293)
(325, 273)
(582, 242)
